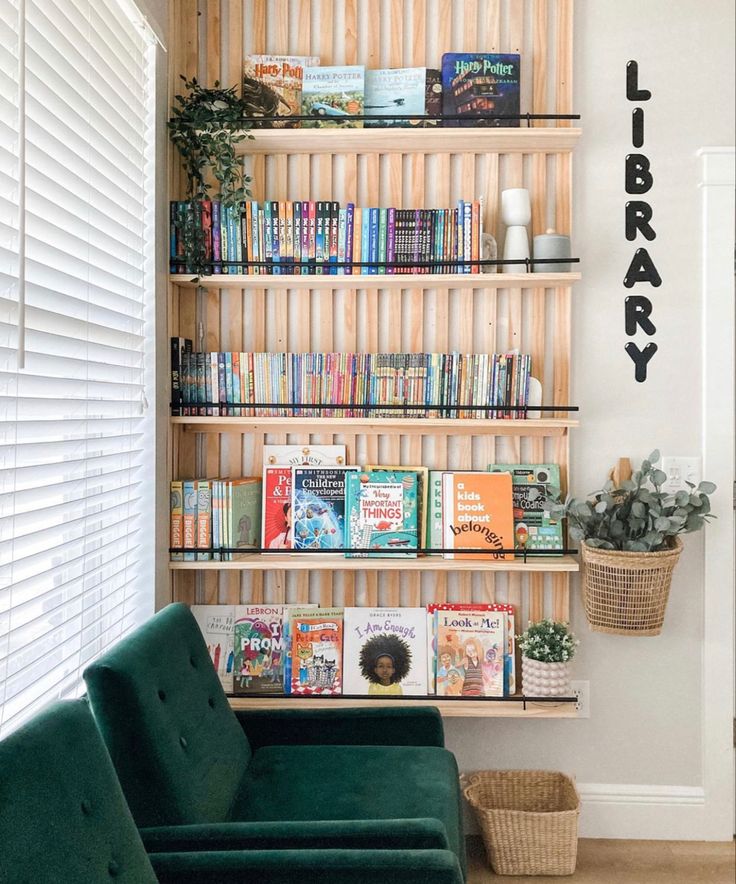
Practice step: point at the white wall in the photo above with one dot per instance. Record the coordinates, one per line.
(645, 729)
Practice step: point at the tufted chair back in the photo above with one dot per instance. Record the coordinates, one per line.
(178, 748)
(63, 816)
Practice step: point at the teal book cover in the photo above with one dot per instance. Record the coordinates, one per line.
(382, 512)
(318, 503)
(530, 483)
(395, 92)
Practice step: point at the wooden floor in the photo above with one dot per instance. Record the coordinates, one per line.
(629, 862)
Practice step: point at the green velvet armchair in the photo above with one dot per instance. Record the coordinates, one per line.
(198, 776)
(64, 820)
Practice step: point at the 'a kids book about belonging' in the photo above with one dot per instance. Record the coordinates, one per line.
(382, 512)
(316, 650)
(470, 653)
(385, 651)
(395, 92)
(478, 515)
(216, 625)
(272, 87)
(533, 527)
(479, 84)
(333, 96)
(259, 649)
(318, 506)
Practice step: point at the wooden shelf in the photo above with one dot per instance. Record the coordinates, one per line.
(447, 708)
(379, 281)
(407, 140)
(332, 562)
(401, 426)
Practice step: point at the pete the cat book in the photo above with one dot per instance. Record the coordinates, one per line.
(316, 650)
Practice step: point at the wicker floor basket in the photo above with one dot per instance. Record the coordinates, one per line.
(626, 593)
(528, 818)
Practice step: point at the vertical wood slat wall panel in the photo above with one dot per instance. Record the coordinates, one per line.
(417, 32)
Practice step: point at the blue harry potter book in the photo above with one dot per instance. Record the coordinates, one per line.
(478, 85)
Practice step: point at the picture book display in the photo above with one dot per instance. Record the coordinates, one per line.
(316, 650)
(303, 455)
(381, 508)
(216, 623)
(385, 651)
(272, 87)
(333, 95)
(477, 84)
(318, 507)
(470, 653)
(395, 91)
(259, 649)
(478, 514)
(533, 527)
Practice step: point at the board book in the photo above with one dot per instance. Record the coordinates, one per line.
(316, 650)
(531, 483)
(478, 514)
(381, 508)
(216, 625)
(259, 649)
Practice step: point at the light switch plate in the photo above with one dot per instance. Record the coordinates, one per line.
(680, 470)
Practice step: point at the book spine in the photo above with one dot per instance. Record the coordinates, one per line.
(189, 519)
(365, 252)
(382, 240)
(297, 212)
(204, 520)
(320, 237)
(177, 347)
(373, 244)
(391, 239)
(176, 532)
(342, 241)
(173, 263)
(475, 239)
(349, 234)
(467, 235)
(275, 236)
(334, 234)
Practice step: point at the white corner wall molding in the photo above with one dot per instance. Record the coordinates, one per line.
(612, 810)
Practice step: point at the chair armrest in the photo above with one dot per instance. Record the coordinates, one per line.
(308, 867)
(405, 834)
(403, 726)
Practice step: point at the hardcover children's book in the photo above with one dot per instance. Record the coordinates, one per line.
(244, 507)
(259, 649)
(333, 96)
(434, 532)
(272, 87)
(304, 455)
(433, 96)
(318, 506)
(287, 642)
(533, 527)
(176, 516)
(422, 490)
(478, 514)
(395, 92)
(385, 651)
(316, 650)
(470, 653)
(478, 84)
(382, 512)
(216, 625)
(276, 531)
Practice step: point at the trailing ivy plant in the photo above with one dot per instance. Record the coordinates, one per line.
(205, 126)
(549, 641)
(638, 516)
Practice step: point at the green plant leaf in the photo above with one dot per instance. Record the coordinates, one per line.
(638, 509)
(662, 524)
(659, 477)
(654, 456)
(706, 487)
(682, 498)
(695, 500)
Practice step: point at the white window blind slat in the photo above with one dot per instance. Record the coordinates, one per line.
(75, 435)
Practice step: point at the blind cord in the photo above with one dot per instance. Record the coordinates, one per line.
(21, 343)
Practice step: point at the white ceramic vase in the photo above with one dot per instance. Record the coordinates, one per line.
(541, 679)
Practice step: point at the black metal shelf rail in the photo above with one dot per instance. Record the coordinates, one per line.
(364, 552)
(224, 407)
(312, 265)
(415, 698)
(399, 118)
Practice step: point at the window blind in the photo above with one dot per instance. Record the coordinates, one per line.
(76, 190)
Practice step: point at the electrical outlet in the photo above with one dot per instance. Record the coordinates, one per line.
(679, 471)
(581, 690)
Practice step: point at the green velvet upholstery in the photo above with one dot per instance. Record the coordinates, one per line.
(361, 834)
(63, 817)
(310, 867)
(402, 726)
(183, 757)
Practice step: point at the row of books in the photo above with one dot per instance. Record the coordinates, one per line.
(311, 238)
(439, 384)
(450, 650)
(309, 499)
(472, 85)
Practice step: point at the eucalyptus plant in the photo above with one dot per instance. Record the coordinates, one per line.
(638, 516)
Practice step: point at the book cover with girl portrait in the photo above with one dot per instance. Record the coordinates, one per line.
(470, 653)
(385, 651)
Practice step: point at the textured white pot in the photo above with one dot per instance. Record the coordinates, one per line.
(545, 679)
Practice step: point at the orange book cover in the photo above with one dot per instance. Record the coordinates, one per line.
(477, 514)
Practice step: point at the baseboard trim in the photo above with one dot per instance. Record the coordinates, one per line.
(611, 810)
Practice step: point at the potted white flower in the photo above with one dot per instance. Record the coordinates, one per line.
(546, 650)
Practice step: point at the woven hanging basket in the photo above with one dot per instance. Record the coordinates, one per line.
(528, 819)
(625, 593)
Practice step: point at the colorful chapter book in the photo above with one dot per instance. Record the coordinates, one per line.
(303, 455)
(478, 84)
(470, 653)
(422, 490)
(382, 512)
(478, 514)
(259, 649)
(176, 516)
(316, 650)
(216, 625)
(385, 651)
(272, 87)
(276, 530)
(395, 92)
(533, 527)
(318, 507)
(332, 96)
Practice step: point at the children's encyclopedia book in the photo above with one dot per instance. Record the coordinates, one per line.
(385, 651)
(316, 650)
(381, 508)
(478, 514)
(478, 84)
(259, 649)
(318, 506)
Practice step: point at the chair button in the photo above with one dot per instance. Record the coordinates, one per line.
(183, 741)
(113, 868)
(162, 695)
(193, 662)
(86, 807)
(211, 701)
